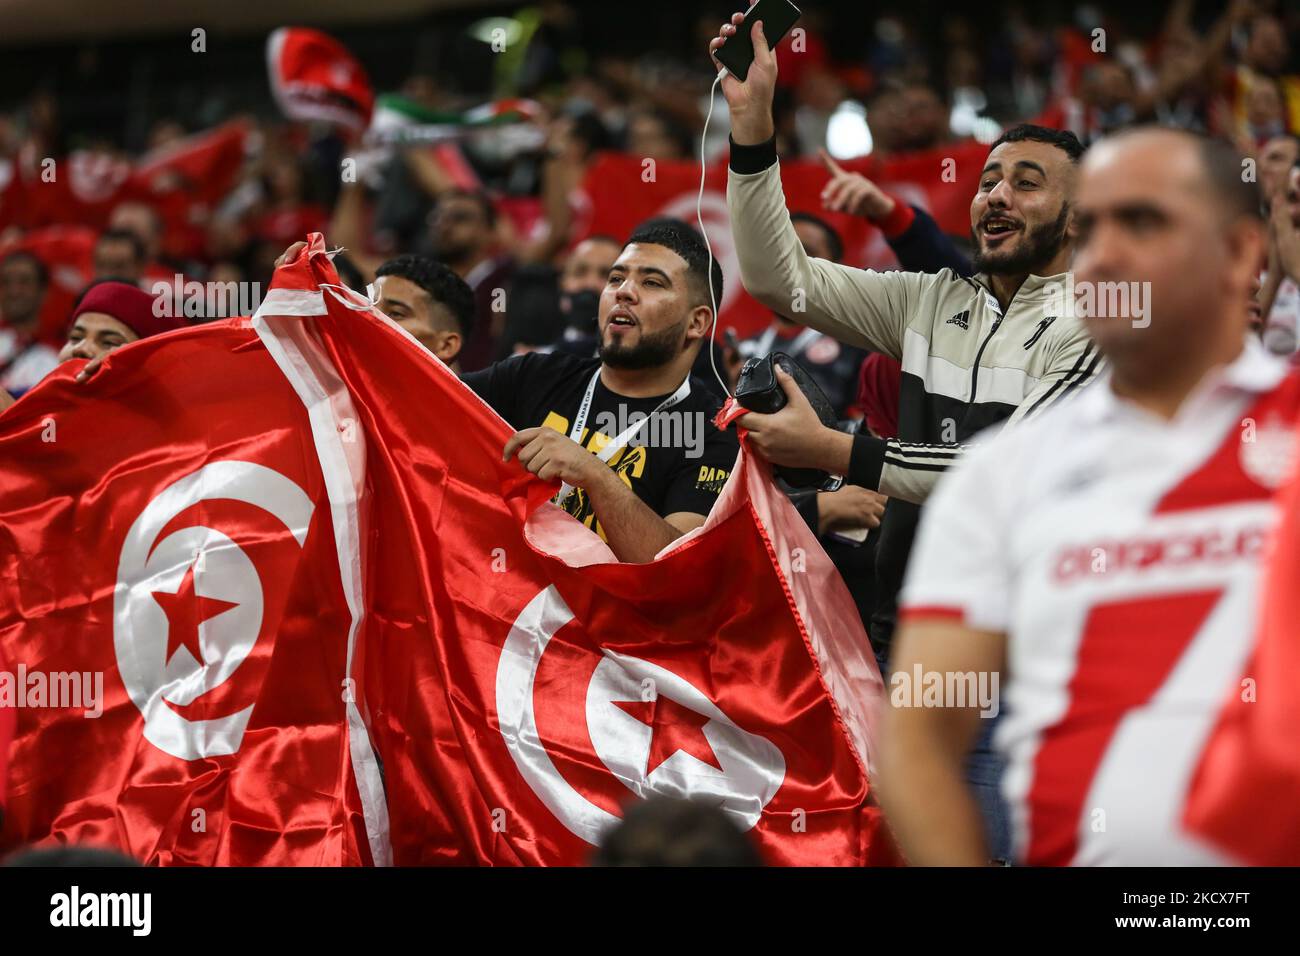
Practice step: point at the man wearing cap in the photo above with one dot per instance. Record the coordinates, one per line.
(111, 314)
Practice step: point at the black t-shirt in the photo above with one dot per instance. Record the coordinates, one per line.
(677, 462)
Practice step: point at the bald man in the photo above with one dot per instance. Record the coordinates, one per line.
(1107, 581)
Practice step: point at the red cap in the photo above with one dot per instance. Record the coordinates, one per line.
(130, 305)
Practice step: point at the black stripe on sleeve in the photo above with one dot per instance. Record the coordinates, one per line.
(910, 449)
(1063, 380)
(1085, 377)
(906, 465)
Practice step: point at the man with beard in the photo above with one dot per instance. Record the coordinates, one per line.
(1112, 567)
(976, 352)
(629, 433)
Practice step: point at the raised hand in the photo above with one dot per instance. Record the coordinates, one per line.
(853, 193)
(750, 102)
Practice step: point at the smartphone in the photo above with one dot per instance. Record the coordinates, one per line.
(737, 53)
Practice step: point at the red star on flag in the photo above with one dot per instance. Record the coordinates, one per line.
(185, 611)
(672, 728)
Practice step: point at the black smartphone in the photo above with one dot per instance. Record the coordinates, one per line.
(737, 53)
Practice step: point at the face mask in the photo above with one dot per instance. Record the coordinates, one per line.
(581, 308)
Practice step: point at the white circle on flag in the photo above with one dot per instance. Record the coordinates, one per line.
(752, 767)
(140, 627)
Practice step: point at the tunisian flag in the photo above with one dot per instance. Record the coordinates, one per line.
(172, 614)
(519, 684)
(522, 686)
(1246, 789)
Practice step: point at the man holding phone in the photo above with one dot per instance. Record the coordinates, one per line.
(976, 351)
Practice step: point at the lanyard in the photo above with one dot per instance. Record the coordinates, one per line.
(629, 433)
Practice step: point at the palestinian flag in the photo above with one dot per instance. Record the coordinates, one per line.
(399, 119)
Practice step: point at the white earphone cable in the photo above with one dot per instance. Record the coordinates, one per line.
(699, 215)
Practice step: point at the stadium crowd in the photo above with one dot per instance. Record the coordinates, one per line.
(478, 244)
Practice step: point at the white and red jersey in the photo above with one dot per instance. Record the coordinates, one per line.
(1120, 554)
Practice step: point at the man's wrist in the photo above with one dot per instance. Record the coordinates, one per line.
(750, 129)
(827, 511)
(836, 451)
(598, 479)
(897, 220)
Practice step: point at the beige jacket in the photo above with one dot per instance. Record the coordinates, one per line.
(966, 365)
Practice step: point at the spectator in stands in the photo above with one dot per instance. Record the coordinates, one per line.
(582, 279)
(286, 211)
(556, 308)
(24, 360)
(1276, 158)
(429, 300)
(424, 297)
(843, 519)
(885, 119)
(1280, 283)
(230, 275)
(119, 254)
(1109, 99)
(656, 134)
(463, 228)
(1265, 113)
(1265, 101)
(630, 433)
(924, 122)
(109, 315)
(142, 220)
(667, 831)
(1020, 220)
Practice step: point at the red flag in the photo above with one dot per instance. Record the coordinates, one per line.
(81, 188)
(1245, 790)
(186, 180)
(8, 717)
(226, 572)
(171, 594)
(314, 77)
(522, 686)
(617, 196)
